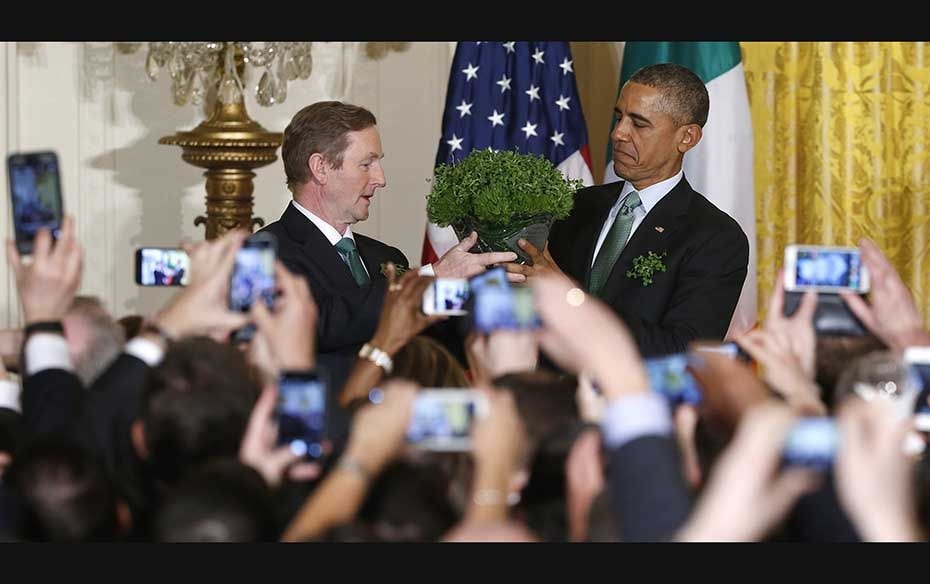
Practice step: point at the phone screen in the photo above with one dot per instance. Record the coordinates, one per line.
(495, 277)
(812, 442)
(670, 377)
(35, 191)
(157, 266)
(253, 276)
(511, 308)
(827, 268)
(442, 419)
(918, 361)
(301, 413)
(252, 279)
(446, 296)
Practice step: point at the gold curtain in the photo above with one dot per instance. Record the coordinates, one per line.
(842, 150)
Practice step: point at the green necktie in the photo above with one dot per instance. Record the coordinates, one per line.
(348, 251)
(613, 244)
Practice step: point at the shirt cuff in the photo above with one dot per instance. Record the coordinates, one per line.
(427, 270)
(144, 349)
(46, 351)
(9, 395)
(633, 416)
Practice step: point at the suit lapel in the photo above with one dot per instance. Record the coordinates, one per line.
(653, 234)
(319, 250)
(590, 229)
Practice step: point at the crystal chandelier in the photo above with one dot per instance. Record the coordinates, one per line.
(198, 67)
(228, 144)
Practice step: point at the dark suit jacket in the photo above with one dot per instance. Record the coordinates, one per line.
(650, 497)
(707, 255)
(100, 418)
(348, 314)
(53, 402)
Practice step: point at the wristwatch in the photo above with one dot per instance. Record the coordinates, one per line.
(44, 326)
(377, 356)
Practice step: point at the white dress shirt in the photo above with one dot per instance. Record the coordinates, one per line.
(9, 395)
(649, 196)
(50, 351)
(330, 232)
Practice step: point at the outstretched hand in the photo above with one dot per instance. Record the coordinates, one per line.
(289, 330)
(748, 493)
(47, 286)
(458, 262)
(258, 448)
(402, 317)
(542, 263)
(202, 308)
(891, 314)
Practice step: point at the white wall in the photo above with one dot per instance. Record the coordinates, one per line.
(97, 108)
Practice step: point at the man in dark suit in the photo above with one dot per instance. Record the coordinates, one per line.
(332, 158)
(668, 261)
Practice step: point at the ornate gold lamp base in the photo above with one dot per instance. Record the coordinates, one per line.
(229, 145)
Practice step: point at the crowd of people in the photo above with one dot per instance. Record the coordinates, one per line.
(165, 427)
(171, 436)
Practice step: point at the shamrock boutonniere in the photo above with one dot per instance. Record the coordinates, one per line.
(645, 266)
(398, 269)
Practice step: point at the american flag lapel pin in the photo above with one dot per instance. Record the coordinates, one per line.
(660, 229)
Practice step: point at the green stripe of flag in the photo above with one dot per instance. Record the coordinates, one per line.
(708, 59)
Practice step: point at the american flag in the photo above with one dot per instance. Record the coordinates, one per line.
(506, 95)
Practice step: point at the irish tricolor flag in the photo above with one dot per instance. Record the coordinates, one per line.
(720, 166)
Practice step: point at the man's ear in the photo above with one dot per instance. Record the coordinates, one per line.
(689, 136)
(319, 168)
(138, 439)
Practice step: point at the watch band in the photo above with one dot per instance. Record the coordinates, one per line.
(377, 356)
(43, 326)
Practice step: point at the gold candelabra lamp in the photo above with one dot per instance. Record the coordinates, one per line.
(229, 145)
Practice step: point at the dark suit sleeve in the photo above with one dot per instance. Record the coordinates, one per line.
(707, 289)
(53, 401)
(650, 498)
(11, 430)
(113, 404)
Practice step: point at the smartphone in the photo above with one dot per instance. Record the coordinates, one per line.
(162, 266)
(670, 377)
(511, 308)
(35, 191)
(495, 277)
(442, 418)
(253, 278)
(300, 413)
(918, 361)
(446, 296)
(812, 442)
(824, 269)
